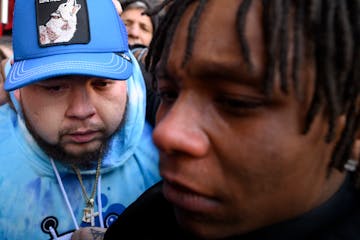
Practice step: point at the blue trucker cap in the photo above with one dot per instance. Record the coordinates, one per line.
(67, 37)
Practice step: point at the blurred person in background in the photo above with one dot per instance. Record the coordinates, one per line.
(140, 27)
(6, 53)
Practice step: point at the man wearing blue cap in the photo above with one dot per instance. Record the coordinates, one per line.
(75, 147)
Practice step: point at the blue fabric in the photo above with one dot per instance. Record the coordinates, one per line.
(98, 56)
(31, 199)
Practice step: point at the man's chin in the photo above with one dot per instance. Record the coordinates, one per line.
(78, 150)
(83, 160)
(82, 156)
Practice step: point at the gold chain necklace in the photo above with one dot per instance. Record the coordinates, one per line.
(88, 213)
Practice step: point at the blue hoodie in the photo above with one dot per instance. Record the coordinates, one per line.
(32, 204)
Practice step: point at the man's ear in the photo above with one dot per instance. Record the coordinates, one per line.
(355, 151)
(356, 147)
(17, 94)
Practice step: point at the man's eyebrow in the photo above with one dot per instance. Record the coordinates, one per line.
(206, 70)
(128, 20)
(229, 72)
(215, 71)
(162, 72)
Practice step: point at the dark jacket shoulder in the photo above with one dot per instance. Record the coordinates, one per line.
(149, 217)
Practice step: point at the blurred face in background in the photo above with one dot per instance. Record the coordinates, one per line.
(139, 27)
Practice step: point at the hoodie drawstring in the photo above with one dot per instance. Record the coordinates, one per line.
(68, 202)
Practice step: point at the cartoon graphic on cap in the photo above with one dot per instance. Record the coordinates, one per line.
(62, 22)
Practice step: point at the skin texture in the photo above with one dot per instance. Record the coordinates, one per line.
(6, 52)
(139, 27)
(75, 113)
(233, 159)
(4, 96)
(93, 233)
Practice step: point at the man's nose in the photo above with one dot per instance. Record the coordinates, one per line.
(180, 130)
(133, 30)
(80, 104)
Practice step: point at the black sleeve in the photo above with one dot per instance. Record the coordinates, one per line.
(150, 217)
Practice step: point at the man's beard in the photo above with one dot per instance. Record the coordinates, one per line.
(86, 160)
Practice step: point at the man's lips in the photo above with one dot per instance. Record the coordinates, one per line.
(82, 136)
(188, 199)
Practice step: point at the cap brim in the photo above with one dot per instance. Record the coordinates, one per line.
(104, 65)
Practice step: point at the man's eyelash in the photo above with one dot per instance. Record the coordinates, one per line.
(240, 103)
(54, 88)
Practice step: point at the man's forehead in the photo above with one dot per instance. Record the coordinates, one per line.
(218, 25)
(72, 78)
(215, 43)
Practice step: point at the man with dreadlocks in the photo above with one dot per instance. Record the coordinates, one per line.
(258, 123)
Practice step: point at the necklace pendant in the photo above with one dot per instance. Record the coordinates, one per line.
(89, 214)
